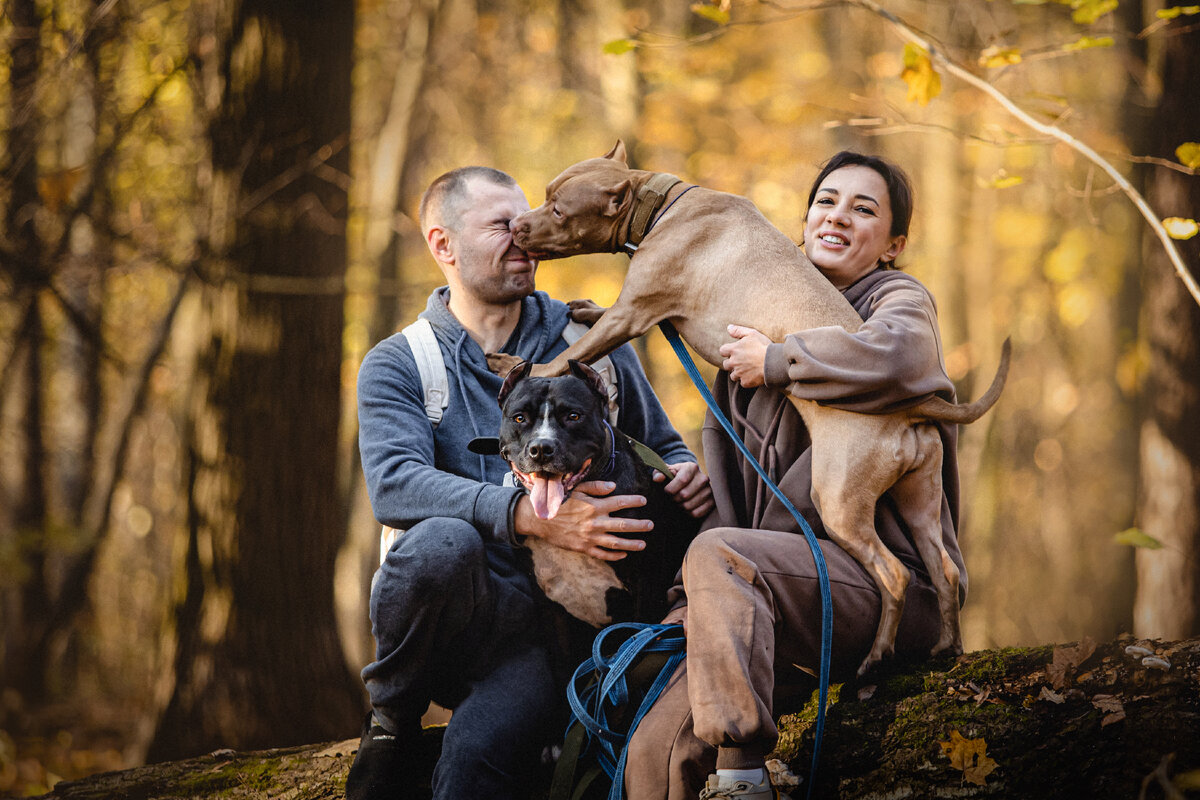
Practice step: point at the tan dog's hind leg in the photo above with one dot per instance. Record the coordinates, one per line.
(920, 493)
(845, 496)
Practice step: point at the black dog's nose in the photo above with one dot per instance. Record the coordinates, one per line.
(541, 448)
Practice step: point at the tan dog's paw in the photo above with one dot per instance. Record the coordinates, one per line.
(501, 363)
(585, 311)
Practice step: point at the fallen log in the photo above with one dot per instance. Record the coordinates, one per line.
(1121, 719)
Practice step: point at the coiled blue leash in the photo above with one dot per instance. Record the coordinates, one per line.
(822, 573)
(611, 693)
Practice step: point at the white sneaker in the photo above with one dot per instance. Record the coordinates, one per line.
(719, 786)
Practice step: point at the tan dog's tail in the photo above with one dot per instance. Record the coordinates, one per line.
(935, 408)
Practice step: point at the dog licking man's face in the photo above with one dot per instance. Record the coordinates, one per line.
(553, 433)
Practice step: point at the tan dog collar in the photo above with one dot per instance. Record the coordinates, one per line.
(649, 200)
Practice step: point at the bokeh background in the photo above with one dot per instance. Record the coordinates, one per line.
(210, 217)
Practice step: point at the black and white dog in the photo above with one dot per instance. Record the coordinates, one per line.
(554, 436)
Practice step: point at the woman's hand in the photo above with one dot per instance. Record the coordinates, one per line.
(746, 356)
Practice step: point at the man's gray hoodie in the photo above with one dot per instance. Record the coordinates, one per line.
(415, 471)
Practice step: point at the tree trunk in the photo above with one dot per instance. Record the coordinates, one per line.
(22, 666)
(1168, 590)
(259, 662)
(1065, 722)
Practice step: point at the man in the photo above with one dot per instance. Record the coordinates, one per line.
(452, 611)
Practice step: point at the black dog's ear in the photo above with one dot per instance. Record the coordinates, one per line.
(590, 377)
(516, 374)
(485, 445)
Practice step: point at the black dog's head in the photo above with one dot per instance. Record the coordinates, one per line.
(553, 431)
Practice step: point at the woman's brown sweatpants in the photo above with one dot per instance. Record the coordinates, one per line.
(754, 614)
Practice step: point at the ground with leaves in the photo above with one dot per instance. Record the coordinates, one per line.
(1120, 719)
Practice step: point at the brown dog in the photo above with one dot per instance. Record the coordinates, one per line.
(712, 259)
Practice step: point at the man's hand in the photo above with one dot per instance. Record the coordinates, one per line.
(689, 486)
(583, 523)
(746, 356)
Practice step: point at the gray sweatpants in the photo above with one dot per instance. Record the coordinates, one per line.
(754, 612)
(455, 622)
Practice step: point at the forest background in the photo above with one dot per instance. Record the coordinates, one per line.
(209, 217)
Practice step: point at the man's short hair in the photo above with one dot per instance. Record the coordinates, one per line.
(446, 196)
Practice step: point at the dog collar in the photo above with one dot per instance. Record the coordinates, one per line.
(612, 451)
(650, 197)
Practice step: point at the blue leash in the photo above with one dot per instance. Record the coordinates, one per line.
(822, 573)
(612, 692)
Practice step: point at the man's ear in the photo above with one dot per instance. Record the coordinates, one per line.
(618, 153)
(438, 239)
(619, 198)
(515, 375)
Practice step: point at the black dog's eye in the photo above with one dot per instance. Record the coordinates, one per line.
(573, 416)
(518, 418)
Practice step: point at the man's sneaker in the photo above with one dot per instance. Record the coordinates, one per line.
(719, 786)
(384, 763)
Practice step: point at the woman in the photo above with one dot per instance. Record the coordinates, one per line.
(749, 595)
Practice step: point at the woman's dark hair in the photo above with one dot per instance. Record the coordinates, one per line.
(900, 191)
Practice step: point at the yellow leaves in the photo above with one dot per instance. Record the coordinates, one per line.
(619, 47)
(969, 755)
(1088, 11)
(1188, 154)
(1135, 537)
(1175, 11)
(924, 83)
(1087, 43)
(996, 56)
(1000, 179)
(1180, 228)
(718, 13)
(1066, 261)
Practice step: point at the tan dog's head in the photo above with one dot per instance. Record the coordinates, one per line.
(584, 210)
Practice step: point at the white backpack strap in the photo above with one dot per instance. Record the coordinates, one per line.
(431, 366)
(602, 365)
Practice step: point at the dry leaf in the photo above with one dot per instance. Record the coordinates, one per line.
(866, 692)
(1066, 659)
(969, 755)
(1051, 695)
(1108, 702)
(1111, 718)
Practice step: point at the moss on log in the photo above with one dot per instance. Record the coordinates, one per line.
(1073, 721)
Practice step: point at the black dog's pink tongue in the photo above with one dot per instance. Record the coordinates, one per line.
(547, 495)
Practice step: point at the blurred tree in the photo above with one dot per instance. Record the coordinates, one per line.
(258, 661)
(1168, 579)
(24, 665)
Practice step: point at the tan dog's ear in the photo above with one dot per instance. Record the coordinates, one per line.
(619, 198)
(618, 153)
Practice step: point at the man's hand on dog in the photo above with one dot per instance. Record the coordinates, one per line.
(583, 522)
(689, 487)
(746, 356)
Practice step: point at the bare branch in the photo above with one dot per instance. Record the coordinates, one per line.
(938, 56)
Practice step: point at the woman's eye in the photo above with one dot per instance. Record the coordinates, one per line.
(866, 210)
